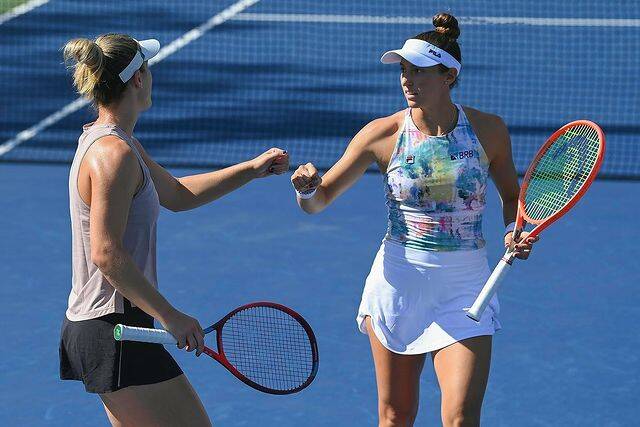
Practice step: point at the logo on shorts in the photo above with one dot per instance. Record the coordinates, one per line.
(410, 159)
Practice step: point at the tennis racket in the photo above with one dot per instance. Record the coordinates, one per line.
(560, 174)
(265, 345)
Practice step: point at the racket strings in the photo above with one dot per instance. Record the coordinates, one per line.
(561, 171)
(269, 347)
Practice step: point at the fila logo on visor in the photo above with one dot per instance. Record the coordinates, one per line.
(435, 53)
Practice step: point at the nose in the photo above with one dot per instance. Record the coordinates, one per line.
(405, 80)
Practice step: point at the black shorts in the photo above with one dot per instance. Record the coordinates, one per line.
(89, 353)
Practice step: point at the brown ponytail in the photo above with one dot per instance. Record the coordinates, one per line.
(444, 36)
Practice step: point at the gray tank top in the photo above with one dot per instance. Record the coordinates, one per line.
(91, 293)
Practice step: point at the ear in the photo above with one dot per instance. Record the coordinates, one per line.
(137, 79)
(451, 76)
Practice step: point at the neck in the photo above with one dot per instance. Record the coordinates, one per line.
(435, 119)
(121, 115)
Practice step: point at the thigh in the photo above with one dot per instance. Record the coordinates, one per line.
(463, 370)
(169, 403)
(397, 375)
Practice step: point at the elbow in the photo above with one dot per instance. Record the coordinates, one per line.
(316, 204)
(179, 203)
(311, 209)
(104, 257)
(182, 199)
(175, 208)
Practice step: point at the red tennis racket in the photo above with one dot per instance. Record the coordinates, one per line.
(560, 174)
(265, 345)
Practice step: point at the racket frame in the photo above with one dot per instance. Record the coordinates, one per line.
(541, 224)
(220, 356)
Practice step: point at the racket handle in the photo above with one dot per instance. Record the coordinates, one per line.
(490, 288)
(132, 333)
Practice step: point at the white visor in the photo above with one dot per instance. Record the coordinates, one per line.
(147, 49)
(421, 54)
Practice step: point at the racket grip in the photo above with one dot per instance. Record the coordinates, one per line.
(489, 289)
(133, 333)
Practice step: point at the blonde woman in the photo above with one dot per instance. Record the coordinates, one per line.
(115, 191)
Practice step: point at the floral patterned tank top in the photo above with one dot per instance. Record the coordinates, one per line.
(435, 188)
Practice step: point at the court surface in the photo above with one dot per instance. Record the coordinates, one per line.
(308, 74)
(568, 353)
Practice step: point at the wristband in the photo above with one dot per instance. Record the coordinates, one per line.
(307, 195)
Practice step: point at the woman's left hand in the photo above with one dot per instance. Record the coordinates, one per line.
(522, 245)
(272, 162)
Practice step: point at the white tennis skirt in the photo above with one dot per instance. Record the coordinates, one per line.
(416, 299)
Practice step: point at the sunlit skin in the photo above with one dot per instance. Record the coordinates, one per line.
(108, 179)
(462, 369)
(428, 94)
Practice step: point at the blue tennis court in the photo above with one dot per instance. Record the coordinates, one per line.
(568, 353)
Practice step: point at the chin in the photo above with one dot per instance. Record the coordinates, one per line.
(413, 103)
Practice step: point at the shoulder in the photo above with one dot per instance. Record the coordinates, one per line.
(110, 156)
(380, 129)
(487, 122)
(490, 129)
(385, 126)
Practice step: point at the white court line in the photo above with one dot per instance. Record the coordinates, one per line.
(21, 10)
(169, 49)
(466, 20)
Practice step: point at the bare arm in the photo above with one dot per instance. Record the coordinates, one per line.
(189, 192)
(502, 170)
(115, 173)
(365, 148)
(505, 177)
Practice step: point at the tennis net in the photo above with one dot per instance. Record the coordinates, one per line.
(237, 77)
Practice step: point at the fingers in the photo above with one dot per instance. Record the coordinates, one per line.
(276, 152)
(280, 165)
(187, 331)
(274, 161)
(522, 253)
(200, 341)
(181, 341)
(192, 342)
(524, 245)
(521, 245)
(306, 178)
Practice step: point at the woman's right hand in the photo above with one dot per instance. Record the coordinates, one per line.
(186, 330)
(306, 179)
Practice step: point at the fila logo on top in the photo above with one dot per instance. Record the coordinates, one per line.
(434, 53)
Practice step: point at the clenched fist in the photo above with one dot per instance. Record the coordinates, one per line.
(306, 179)
(272, 162)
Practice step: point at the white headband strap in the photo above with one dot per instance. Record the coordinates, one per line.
(136, 63)
(433, 52)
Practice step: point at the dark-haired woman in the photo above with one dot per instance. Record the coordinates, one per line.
(436, 157)
(115, 191)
